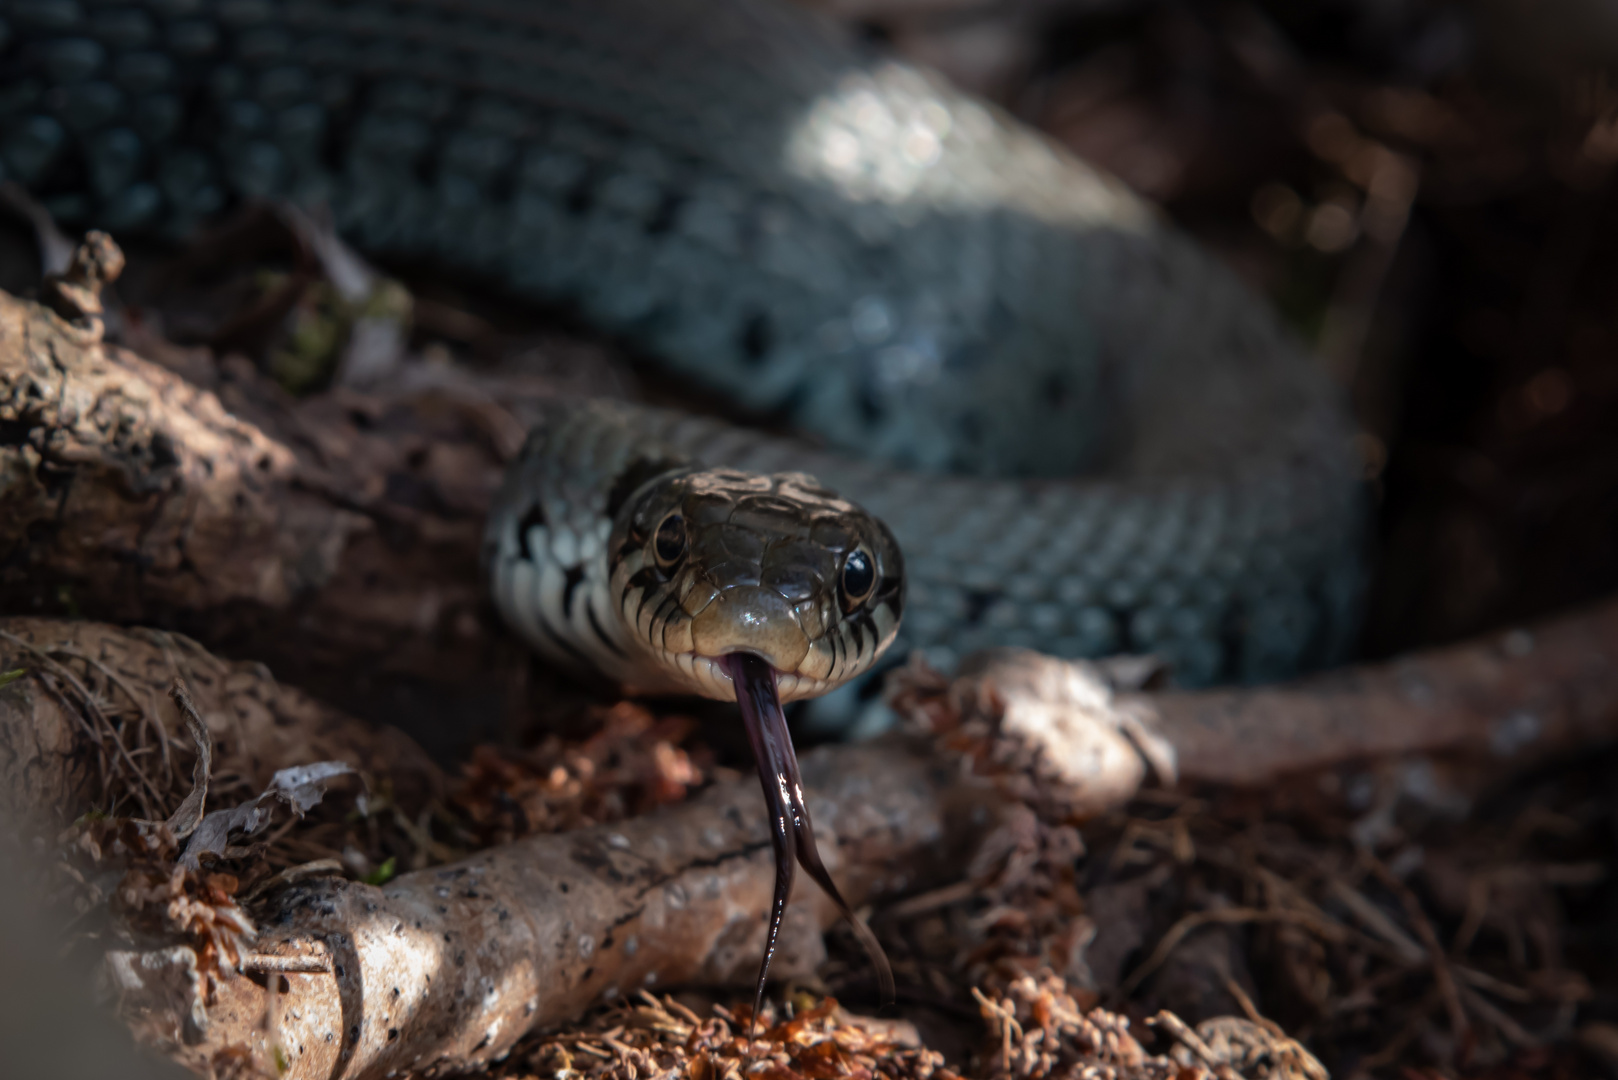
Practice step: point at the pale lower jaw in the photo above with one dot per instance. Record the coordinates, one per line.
(706, 675)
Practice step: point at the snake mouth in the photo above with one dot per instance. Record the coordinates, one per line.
(793, 836)
(712, 676)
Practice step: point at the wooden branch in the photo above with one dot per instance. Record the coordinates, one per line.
(325, 536)
(1502, 703)
(136, 489)
(1513, 698)
(447, 968)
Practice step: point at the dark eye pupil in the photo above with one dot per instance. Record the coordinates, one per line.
(858, 575)
(670, 540)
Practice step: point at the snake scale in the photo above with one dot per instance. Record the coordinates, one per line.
(1084, 435)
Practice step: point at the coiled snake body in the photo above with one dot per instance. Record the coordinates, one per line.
(1085, 436)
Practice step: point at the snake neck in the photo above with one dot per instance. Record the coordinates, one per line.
(1247, 574)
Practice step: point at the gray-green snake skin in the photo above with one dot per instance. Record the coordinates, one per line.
(1140, 458)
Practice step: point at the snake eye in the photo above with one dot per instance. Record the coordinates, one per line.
(670, 542)
(859, 577)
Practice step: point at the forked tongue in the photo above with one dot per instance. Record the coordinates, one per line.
(790, 829)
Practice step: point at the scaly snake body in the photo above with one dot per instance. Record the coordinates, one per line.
(1085, 435)
(807, 228)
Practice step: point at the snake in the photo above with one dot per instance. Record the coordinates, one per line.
(996, 399)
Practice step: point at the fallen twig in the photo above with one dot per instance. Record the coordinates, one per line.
(1513, 698)
(446, 968)
(1509, 699)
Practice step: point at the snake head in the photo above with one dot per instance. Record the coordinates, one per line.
(706, 563)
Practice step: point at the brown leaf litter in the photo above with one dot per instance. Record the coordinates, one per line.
(633, 763)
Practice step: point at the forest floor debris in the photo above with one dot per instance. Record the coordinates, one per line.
(1375, 913)
(1396, 916)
